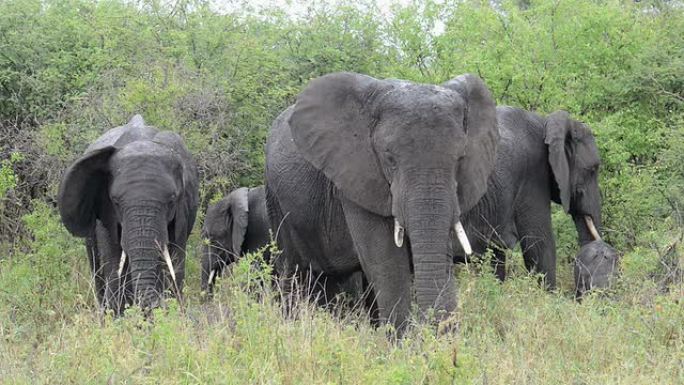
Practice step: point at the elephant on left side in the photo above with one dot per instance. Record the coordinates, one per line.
(133, 196)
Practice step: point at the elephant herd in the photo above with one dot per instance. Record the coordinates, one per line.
(371, 186)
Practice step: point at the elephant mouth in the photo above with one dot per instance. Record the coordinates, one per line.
(166, 256)
(458, 228)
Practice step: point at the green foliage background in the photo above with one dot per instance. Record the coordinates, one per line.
(219, 73)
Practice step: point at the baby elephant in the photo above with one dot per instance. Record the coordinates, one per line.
(595, 266)
(235, 225)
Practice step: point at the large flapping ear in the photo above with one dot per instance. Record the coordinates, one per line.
(82, 185)
(557, 139)
(331, 126)
(483, 138)
(239, 206)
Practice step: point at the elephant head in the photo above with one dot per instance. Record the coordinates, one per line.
(596, 265)
(574, 160)
(141, 187)
(417, 154)
(225, 226)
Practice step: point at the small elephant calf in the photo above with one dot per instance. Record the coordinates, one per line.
(236, 225)
(596, 265)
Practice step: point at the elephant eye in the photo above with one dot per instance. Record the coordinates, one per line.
(391, 160)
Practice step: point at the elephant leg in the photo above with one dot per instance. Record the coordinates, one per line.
(110, 257)
(386, 266)
(499, 263)
(346, 290)
(95, 268)
(537, 241)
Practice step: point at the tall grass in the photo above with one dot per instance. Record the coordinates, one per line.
(510, 333)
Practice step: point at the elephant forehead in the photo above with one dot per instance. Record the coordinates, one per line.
(143, 148)
(409, 97)
(587, 152)
(145, 158)
(122, 135)
(421, 111)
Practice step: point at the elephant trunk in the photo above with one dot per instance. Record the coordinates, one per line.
(586, 213)
(588, 224)
(210, 265)
(430, 220)
(144, 242)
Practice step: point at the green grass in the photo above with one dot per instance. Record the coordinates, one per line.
(511, 333)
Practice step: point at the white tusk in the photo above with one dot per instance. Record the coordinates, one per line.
(169, 264)
(463, 238)
(211, 276)
(398, 234)
(122, 262)
(592, 228)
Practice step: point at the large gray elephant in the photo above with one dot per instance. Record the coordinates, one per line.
(539, 160)
(234, 226)
(133, 195)
(373, 175)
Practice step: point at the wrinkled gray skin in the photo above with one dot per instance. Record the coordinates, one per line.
(539, 160)
(353, 155)
(135, 189)
(234, 226)
(596, 265)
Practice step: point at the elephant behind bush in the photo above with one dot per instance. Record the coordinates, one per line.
(539, 160)
(234, 226)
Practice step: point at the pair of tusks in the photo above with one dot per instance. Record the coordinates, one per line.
(458, 227)
(592, 229)
(167, 259)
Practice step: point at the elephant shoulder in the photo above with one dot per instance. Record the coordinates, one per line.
(257, 202)
(257, 194)
(281, 150)
(280, 130)
(519, 127)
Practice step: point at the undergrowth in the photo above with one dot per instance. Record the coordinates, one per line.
(510, 333)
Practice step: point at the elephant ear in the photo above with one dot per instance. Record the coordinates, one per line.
(558, 135)
(82, 186)
(186, 211)
(239, 208)
(482, 135)
(331, 126)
